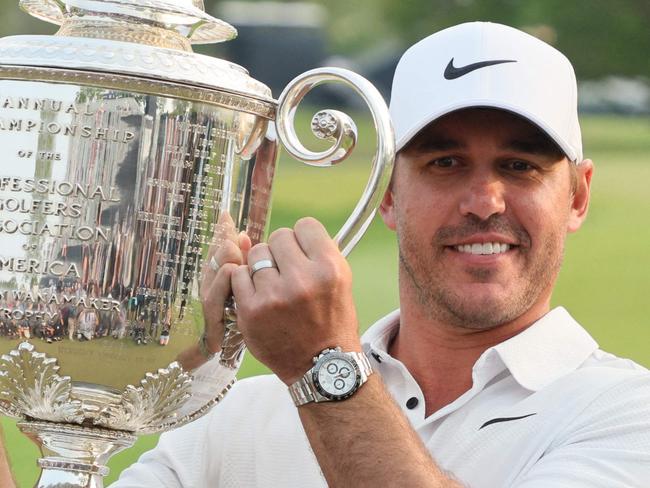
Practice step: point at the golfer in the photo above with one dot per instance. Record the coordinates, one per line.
(475, 381)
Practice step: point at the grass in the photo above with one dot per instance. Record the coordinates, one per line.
(604, 282)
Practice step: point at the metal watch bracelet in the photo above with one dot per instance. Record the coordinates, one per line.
(304, 391)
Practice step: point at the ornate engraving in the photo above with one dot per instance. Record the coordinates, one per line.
(331, 125)
(148, 64)
(151, 405)
(324, 125)
(30, 386)
(201, 411)
(203, 28)
(71, 466)
(80, 451)
(242, 103)
(120, 159)
(143, 34)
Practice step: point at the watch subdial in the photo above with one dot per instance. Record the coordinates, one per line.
(337, 377)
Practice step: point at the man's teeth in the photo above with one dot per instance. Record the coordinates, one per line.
(487, 248)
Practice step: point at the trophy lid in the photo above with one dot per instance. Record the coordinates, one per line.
(187, 17)
(144, 38)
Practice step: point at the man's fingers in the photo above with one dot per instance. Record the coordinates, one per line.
(286, 251)
(245, 245)
(219, 289)
(264, 270)
(313, 238)
(214, 300)
(242, 285)
(225, 227)
(224, 231)
(228, 252)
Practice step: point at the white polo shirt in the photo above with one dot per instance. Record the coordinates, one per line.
(547, 409)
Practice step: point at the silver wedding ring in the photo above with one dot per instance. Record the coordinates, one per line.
(213, 264)
(261, 264)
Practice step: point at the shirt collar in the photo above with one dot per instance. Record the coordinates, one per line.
(550, 348)
(377, 338)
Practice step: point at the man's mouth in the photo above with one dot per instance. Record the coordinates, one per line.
(485, 248)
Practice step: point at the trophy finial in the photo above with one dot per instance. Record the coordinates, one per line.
(172, 24)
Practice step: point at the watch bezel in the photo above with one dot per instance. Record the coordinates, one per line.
(327, 357)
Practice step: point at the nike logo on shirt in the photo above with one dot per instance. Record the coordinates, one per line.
(451, 72)
(504, 419)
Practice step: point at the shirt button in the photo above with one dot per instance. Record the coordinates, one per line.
(412, 402)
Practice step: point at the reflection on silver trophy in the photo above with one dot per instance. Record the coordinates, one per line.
(126, 156)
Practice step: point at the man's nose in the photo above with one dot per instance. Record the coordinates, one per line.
(484, 197)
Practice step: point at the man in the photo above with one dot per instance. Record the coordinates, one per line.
(475, 381)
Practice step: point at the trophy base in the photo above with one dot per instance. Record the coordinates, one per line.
(74, 456)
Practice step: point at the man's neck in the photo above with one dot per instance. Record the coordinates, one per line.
(441, 357)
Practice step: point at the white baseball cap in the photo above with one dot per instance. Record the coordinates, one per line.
(481, 64)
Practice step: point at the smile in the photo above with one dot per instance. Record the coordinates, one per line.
(483, 249)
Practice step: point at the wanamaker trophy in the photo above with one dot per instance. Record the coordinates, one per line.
(124, 153)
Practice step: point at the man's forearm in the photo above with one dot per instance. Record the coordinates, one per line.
(302, 305)
(367, 441)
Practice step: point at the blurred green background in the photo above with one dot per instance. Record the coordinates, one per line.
(601, 37)
(604, 283)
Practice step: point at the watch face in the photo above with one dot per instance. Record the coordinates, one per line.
(336, 376)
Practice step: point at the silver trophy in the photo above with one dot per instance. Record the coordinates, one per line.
(124, 154)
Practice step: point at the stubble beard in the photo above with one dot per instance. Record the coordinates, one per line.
(442, 303)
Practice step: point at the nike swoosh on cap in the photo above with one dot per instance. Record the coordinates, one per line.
(504, 419)
(451, 72)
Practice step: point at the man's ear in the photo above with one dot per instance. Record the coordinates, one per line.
(387, 208)
(580, 203)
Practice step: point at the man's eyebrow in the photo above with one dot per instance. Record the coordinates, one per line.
(535, 145)
(436, 144)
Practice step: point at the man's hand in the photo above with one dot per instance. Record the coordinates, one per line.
(290, 313)
(228, 251)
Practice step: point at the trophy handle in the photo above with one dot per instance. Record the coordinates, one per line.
(338, 127)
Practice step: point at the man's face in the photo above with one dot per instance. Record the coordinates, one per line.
(482, 201)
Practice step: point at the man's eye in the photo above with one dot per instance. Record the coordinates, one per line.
(447, 162)
(519, 166)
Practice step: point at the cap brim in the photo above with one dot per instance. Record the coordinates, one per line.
(483, 103)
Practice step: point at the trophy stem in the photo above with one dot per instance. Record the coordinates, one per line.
(74, 456)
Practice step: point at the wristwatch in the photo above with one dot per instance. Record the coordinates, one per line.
(336, 375)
